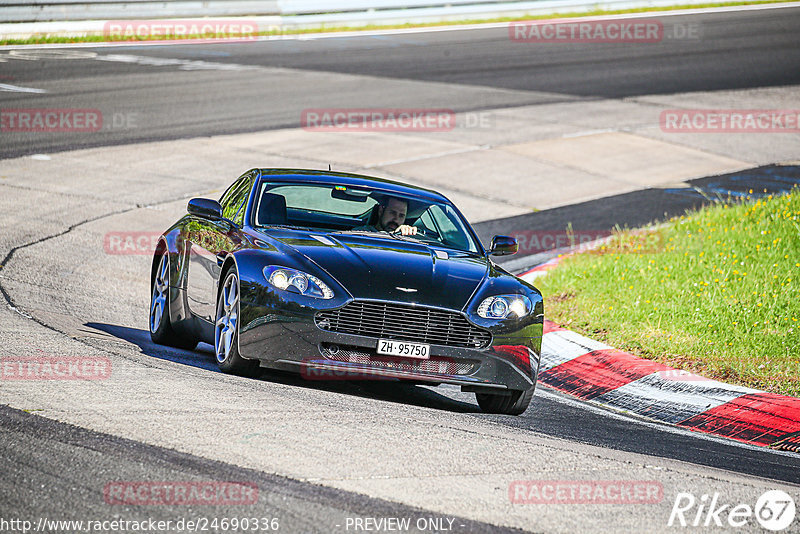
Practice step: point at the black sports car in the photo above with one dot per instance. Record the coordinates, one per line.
(337, 275)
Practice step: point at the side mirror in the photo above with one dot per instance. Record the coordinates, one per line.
(205, 207)
(503, 245)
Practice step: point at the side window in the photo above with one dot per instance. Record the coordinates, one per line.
(425, 222)
(452, 232)
(442, 221)
(233, 200)
(245, 194)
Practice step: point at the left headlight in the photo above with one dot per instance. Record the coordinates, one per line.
(297, 281)
(505, 306)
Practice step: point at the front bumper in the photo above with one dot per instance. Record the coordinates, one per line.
(286, 336)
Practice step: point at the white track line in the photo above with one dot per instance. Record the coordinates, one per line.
(17, 89)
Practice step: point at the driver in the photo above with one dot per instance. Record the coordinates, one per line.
(391, 216)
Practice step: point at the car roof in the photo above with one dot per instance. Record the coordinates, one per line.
(349, 179)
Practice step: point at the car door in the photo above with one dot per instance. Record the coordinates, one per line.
(207, 241)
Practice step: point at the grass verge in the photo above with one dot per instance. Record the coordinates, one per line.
(715, 292)
(54, 39)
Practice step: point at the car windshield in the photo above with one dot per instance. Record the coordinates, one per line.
(345, 209)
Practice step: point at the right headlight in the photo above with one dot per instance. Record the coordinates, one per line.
(505, 306)
(296, 281)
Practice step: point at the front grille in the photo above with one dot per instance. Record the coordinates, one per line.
(405, 323)
(436, 364)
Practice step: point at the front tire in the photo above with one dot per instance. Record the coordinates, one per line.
(161, 330)
(226, 329)
(514, 404)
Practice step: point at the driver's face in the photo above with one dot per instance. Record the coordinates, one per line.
(393, 214)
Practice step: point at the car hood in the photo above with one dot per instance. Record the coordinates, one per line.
(391, 268)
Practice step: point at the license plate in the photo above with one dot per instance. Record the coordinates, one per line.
(404, 349)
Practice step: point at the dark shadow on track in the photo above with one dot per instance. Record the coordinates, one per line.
(569, 420)
(203, 357)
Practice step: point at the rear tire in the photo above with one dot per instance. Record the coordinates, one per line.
(161, 330)
(226, 329)
(514, 404)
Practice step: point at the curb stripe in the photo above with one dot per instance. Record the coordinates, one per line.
(671, 401)
(561, 346)
(759, 418)
(532, 274)
(557, 350)
(590, 370)
(598, 372)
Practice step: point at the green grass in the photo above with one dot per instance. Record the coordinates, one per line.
(715, 292)
(48, 39)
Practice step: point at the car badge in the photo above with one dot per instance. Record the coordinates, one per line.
(407, 289)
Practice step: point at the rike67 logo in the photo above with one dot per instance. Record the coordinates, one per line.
(774, 510)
